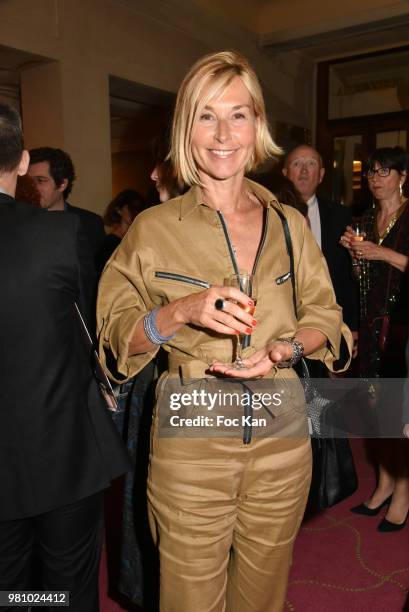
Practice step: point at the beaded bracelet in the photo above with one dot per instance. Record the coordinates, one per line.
(151, 329)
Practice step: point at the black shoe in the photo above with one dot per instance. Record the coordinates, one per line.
(387, 526)
(365, 511)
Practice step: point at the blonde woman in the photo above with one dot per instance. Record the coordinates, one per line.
(224, 510)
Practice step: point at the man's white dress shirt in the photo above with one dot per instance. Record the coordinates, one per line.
(314, 218)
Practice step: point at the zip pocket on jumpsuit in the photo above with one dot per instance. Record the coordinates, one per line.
(183, 279)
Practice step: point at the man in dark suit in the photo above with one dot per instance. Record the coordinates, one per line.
(328, 220)
(53, 173)
(58, 447)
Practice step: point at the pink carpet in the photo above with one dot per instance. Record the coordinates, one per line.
(342, 563)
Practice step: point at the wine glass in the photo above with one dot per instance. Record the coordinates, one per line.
(246, 283)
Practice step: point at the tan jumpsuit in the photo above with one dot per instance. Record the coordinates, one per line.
(224, 514)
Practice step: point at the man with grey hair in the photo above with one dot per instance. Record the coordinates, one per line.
(328, 220)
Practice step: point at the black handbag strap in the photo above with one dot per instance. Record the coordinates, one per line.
(287, 235)
(301, 368)
(289, 246)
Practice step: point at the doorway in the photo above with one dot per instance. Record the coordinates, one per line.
(139, 116)
(363, 104)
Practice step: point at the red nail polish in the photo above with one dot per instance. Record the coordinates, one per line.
(254, 322)
(250, 303)
(248, 330)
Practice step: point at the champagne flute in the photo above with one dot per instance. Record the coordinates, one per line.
(359, 236)
(361, 266)
(246, 283)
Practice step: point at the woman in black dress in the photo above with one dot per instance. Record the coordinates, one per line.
(381, 262)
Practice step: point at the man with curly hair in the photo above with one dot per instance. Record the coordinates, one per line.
(53, 173)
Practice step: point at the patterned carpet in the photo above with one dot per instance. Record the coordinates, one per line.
(341, 562)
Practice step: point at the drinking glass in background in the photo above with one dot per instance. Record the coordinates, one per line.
(246, 283)
(359, 236)
(359, 231)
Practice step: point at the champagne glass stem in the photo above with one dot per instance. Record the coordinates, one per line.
(238, 362)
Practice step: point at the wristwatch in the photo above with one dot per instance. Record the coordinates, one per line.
(298, 352)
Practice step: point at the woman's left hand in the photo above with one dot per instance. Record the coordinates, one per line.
(259, 364)
(406, 430)
(367, 250)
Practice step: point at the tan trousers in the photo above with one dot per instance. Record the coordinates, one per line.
(225, 516)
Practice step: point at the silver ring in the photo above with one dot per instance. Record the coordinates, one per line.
(219, 304)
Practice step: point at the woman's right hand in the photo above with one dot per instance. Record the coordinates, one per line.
(199, 309)
(347, 238)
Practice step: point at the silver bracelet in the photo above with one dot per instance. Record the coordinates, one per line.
(151, 329)
(298, 352)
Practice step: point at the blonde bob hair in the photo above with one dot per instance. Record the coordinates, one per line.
(206, 80)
